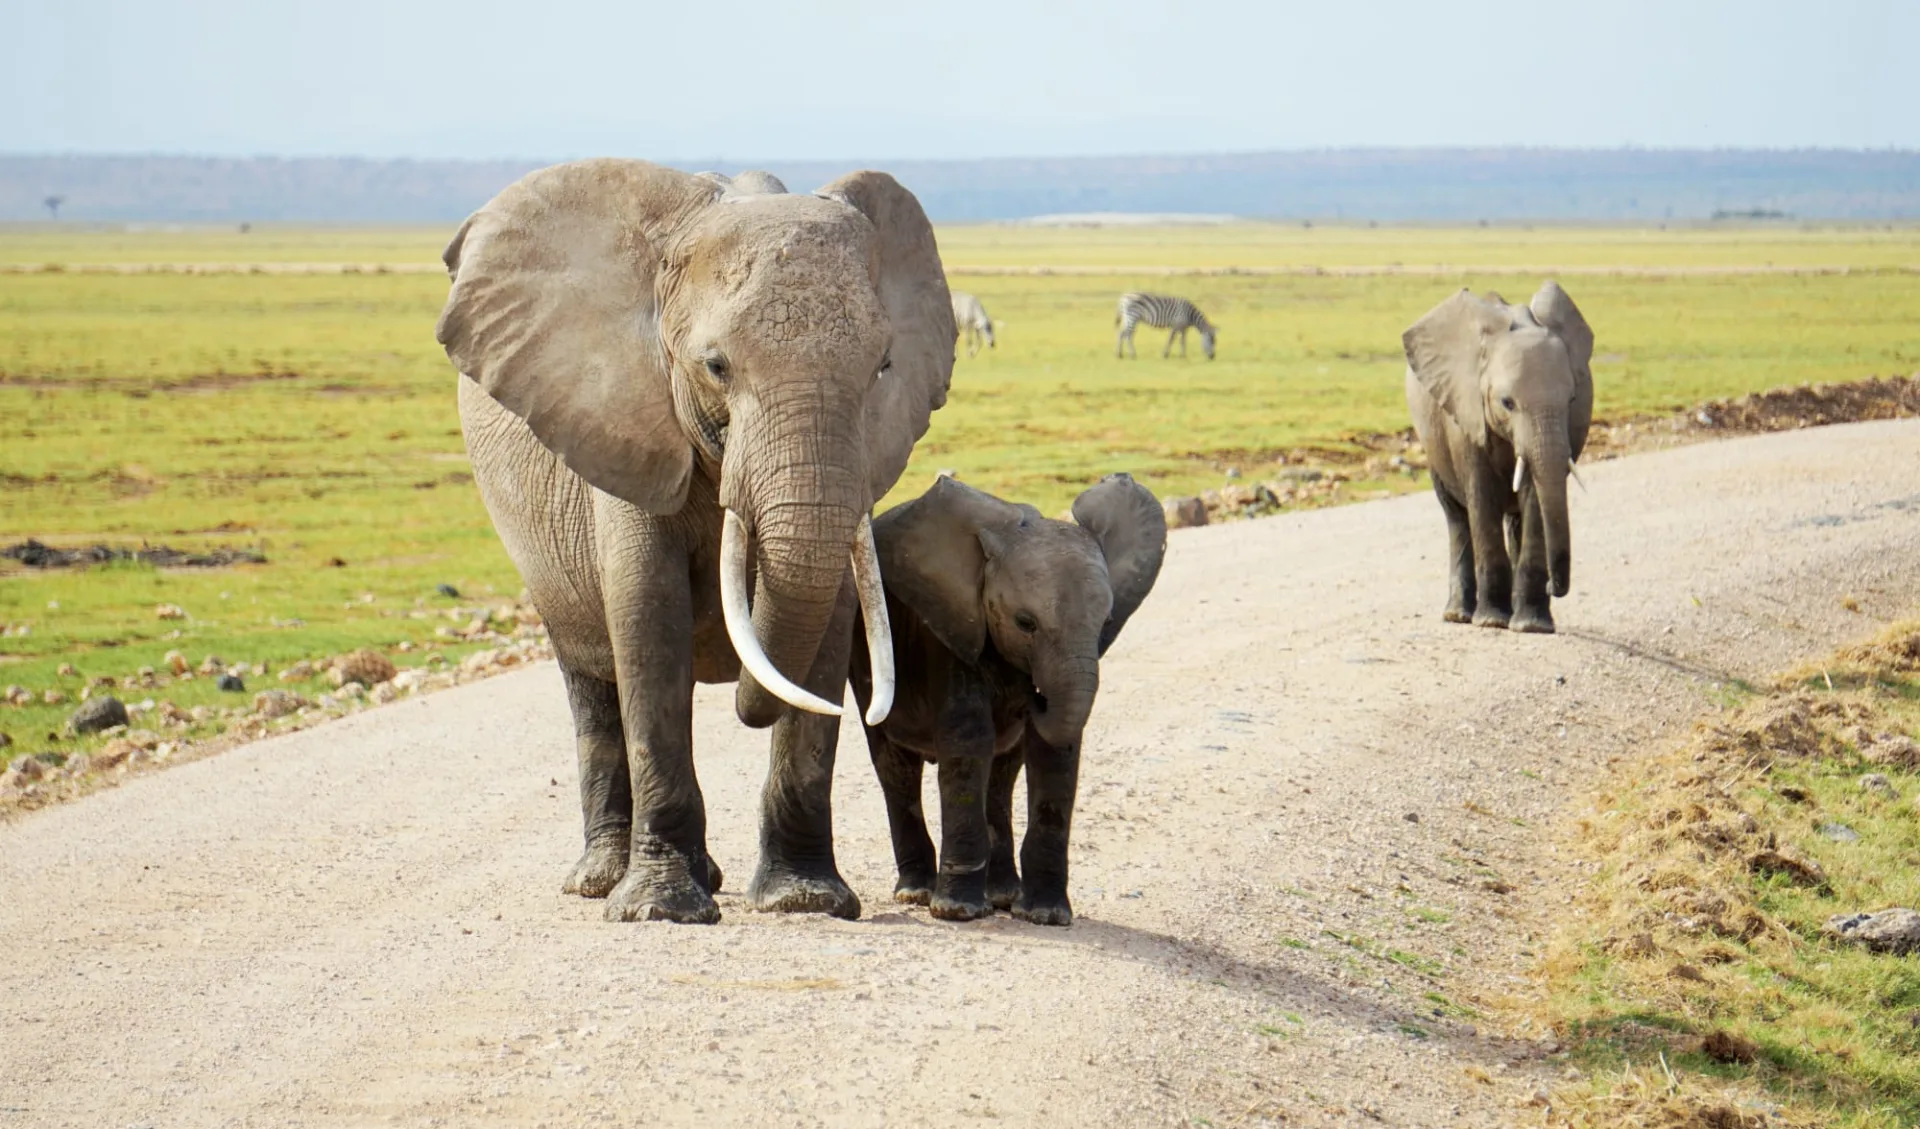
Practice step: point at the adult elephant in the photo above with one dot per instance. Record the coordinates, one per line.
(682, 397)
(1502, 396)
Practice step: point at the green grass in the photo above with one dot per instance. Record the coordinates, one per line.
(1836, 1027)
(312, 415)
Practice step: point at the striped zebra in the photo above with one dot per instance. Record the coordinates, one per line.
(1176, 315)
(970, 320)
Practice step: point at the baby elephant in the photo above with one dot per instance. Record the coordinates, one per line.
(999, 620)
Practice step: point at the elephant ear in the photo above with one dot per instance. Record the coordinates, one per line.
(1446, 350)
(1555, 310)
(1131, 529)
(552, 313)
(933, 558)
(913, 288)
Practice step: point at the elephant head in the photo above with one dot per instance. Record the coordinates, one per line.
(1050, 596)
(1517, 377)
(652, 326)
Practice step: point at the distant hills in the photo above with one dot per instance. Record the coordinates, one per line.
(1430, 185)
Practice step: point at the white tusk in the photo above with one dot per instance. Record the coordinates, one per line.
(1519, 471)
(873, 609)
(1575, 472)
(739, 616)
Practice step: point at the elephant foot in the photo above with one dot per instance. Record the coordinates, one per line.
(650, 897)
(1002, 892)
(960, 897)
(781, 891)
(1490, 617)
(1457, 614)
(1532, 621)
(714, 876)
(913, 889)
(1044, 908)
(600, 869)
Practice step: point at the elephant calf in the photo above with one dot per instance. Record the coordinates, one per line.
(1502, 396)
(999, 618)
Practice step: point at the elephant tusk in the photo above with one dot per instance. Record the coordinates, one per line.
(738, 613)
(1519, 471)
(873, 610)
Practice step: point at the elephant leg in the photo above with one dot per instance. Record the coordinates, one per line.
(1532, 605)
(606, 791)
(1003, 878)
(960, 889)
(1493, 572)
(1053, 778)
(1461, 587)
(669, 875)
(797, 872)
(913, 857)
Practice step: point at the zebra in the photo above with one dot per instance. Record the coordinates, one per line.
(1176, 315)
(971, 321)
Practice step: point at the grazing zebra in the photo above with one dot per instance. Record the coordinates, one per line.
(1176, 315)
(970, 320)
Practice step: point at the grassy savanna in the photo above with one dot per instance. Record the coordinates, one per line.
(1693, 978)
(311, 415)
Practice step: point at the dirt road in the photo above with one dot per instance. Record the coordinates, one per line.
(1314, 825)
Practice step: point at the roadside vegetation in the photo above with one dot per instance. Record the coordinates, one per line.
(309, 416)
(1713, 973)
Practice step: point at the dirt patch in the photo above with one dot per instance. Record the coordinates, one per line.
(1274, 479)
(34, 554)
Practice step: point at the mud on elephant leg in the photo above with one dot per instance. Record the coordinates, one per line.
(1460, 579)
(960, 890)
(1053, 777)
(1493, 572)
(1003, 878)
(797, 872)
(913, 857)
(669, 874)
(1532, 606)
(606, 793)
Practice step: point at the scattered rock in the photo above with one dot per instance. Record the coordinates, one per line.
(1725, 1046)
(170, 611)
(449, 591)
(113, 754)
(17, 695)
(384, 693)
(1233, 472)
(65, 670)
(212, 664)
(1895, 931)
(53, 697)
(1802, 872)
(103, 712)
(1411, 817)
(28, 768)
(297, 672)
(232, 683)
(277, 703)
(368, 668)
(6, 741)
(1839, 832)
(1686, 972)
(353, 692)
(1184, 513)
(176, 661)
(79, 764)
(1877, 784)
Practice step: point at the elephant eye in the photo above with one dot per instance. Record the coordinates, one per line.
(1026, 622)
(717, 368)
(886, 364)
(1507, 402)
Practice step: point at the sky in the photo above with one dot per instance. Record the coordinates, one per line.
(719, 80)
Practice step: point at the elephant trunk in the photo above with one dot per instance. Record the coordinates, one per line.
(1065, 687)
(1547, 463)
(796, 511)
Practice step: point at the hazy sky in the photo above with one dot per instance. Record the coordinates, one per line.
(858, 79)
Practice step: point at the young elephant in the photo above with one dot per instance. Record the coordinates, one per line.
(999, 620)
(1501, 396)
